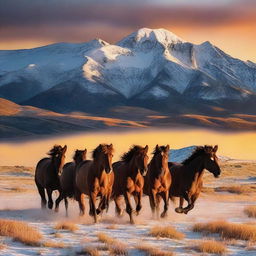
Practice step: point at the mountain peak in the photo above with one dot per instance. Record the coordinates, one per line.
(146, 37)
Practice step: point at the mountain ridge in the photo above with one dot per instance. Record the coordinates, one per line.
(150, 68)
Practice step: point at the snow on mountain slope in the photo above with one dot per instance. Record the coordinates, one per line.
(143, 63)
(181, 154)
(48, 65)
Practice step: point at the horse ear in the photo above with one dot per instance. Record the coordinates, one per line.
(167, 148)
(146, 149)
(64, 149)
(215, 148)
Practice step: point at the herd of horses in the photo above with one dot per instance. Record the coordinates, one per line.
(133, 176)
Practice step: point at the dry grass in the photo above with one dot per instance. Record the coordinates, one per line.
(106, 239)
(52, 244)
(90, 251)
(228, 230)
(211, 246)
(239, 189)
(2, 246)
(150, 250)
(118, 249)
(168, 232)
(20, 231)
(250, 211)
(66, 225)
(113, 226)
(114, 246)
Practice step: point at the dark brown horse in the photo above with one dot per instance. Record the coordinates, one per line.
(158, 180)
(95, 178)
(67, 178)
(47, 174)
(187, 177)
(129, 179)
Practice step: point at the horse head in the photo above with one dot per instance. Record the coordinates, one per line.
(160, 159)
(103, 154)
(141, 160)
(57, 154)
(211, 160)
(80, 156)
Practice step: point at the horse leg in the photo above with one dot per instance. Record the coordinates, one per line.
(66, 205)
(119, 211)
(102, 205)
(93, 207)
(42, 195)
(165, 196)
(158, 199)
(58, 200)
(81, 202)
(152, 201)
(129, 206)
(190, 206)
(137, 198)
(180, 208)
(50, 201)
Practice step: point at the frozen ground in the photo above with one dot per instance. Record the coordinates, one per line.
(211, 206)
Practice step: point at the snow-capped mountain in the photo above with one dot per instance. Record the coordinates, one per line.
(149, 64)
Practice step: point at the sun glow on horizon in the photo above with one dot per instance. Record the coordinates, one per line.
(234, 145)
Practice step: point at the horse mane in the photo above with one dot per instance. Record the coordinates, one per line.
(158, 150)
(57, 149)
(126, 157)
(200, 150)
(101, 148)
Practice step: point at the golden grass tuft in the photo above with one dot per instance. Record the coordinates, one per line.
(52, 244)
(20, 231)
(2, 246)
(168, 232)
(90, 251)
(241, 189)
(250, 211)
(104, 238)
(66, 225)
(118, 249)
(114, 246)
(152, 251)
(227, 230)
(212, 246)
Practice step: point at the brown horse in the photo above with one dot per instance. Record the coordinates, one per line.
(187, 177)
(67, 178)
(129, 179)
(47, 174)
(95, 178)
(158, 180)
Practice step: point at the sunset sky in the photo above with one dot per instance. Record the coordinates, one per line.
(229, 24)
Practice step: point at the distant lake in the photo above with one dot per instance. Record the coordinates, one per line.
(235, 145)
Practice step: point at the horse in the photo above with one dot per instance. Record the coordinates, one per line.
(187, 177)
(67, 178)
(47, 174)
(158, 180)
(129, 179)
(95, 178)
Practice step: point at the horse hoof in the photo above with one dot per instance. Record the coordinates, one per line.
(163, 215)
(179, 210)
